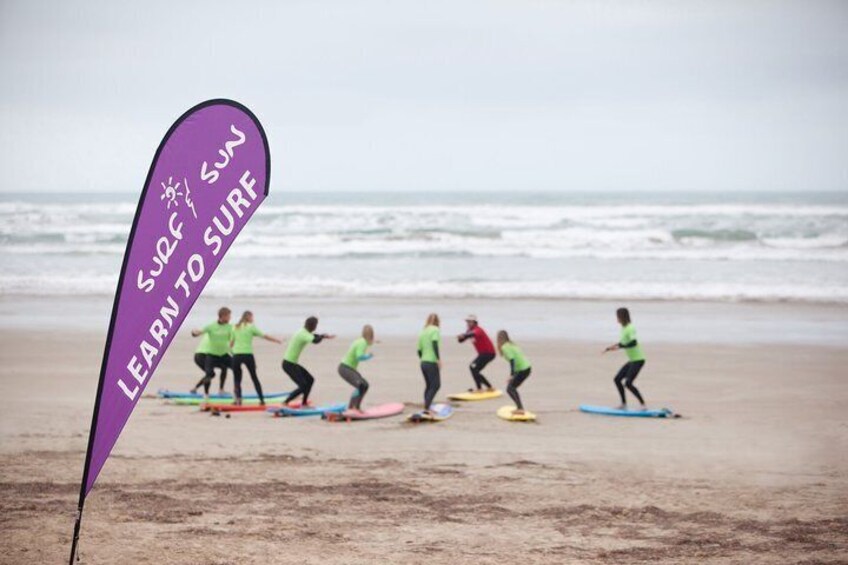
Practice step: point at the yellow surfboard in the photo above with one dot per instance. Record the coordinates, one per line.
(506, 412)
(476, 395)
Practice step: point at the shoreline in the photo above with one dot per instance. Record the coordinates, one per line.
(401, 299)
(573, 320)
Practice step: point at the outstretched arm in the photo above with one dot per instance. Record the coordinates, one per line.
(272, 339)
(462, 337)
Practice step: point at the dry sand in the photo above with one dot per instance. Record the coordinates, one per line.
(755, 472)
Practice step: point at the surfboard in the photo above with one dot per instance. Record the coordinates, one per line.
(311, 410)
(172, 394)
(636, 413)
(165, 393)
(214, 407)
(476, 395)
(197, 401)
(439, 412)
(506, 412)
(379, 411)
(274, 408)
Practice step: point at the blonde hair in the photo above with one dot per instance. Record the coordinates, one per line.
(503, 339)
(432, 320)
(244, 317)
(368, 333)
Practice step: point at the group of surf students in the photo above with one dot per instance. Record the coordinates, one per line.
(220, 338)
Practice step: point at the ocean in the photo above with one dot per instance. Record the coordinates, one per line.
(764, 247)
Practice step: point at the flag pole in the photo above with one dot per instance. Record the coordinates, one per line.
(96, 412)
(108, 346)
(91, 435)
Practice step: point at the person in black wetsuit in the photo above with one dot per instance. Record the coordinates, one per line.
(485, 352)
(519, 369)
(635, 359)
(291, 360)
(214, 351)
(242, 347)
(431, 362)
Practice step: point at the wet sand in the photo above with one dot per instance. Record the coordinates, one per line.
(755, 472)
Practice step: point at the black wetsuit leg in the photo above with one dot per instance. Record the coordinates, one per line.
(432, 380)
(308, 380)
(625, 377)
(303, 379)
(357, 381)
(200, 361)
(250, 363)
(477, 367)
(237, 376)
(291, 369)
(224, 362)
(514, 383)
(632, 372)
(619, 377)
(209, 363)
(238, 361)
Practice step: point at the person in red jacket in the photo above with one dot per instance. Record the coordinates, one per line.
(485, 352)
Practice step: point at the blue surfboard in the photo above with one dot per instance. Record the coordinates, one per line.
(165, 393)
(312, 410)
(607, 411)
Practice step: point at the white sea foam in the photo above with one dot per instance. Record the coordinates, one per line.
(353, 288)
(706, 250)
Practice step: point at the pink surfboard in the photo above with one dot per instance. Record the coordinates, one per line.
(379, 411)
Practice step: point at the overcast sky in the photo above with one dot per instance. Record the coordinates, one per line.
(506, 95)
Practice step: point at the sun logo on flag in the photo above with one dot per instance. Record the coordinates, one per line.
(188, 200)
(170, 192)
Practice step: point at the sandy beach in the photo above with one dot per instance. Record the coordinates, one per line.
(553, 169)
(756, 471)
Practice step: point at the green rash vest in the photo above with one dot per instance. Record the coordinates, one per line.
(203, 346)
(628, 334)
(357, 349)
(216, 339)
(298, 341)
(514, 355)
(243, 340)
(425, 343)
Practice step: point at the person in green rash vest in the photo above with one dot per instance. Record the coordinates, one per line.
(214, 350)
(357, 352)
(635, 359)
(291, 360)
(242, 346)
(431, 362)
(519, 368)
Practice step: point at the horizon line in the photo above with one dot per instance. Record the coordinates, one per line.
(454, 191)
